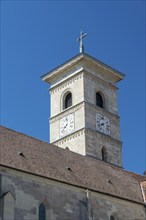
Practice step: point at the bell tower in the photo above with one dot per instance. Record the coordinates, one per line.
(84, 113)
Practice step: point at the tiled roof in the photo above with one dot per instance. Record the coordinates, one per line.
(28, 154)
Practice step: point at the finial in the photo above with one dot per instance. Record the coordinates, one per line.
(80, 39)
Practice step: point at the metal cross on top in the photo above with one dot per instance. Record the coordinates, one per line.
(80, 39)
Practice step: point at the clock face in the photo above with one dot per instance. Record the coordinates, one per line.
(102, 124)
(66, 125)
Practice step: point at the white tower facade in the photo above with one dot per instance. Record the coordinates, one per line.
(84, 113)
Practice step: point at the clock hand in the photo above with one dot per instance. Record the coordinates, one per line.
(66, 123)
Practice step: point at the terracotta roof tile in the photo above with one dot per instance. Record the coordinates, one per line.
(28, 154)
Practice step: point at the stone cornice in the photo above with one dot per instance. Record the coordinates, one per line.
(75, 108)
(69, 137)
(65, 83)
(67, 111)
(89, 74)
(101, 110)
(105, 138)
(78, 75)
(75, 60)
(118, 75)
(57, 71)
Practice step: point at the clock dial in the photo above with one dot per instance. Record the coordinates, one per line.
(102, 124)
(66, 125)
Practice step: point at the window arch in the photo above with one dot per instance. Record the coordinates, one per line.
(42, 212)
(99, 100)
(67, 100)
(9, 201)
(104, 154)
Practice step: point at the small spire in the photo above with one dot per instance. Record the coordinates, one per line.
(80, 39)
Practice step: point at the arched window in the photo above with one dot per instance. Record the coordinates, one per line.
(104, 154)
(42, 212)
(9, 201)
(99, 100)
(112, 218)
(67, 100)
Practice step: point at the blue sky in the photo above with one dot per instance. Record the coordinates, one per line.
(37, 36)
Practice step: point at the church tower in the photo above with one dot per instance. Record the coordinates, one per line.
(84, 113)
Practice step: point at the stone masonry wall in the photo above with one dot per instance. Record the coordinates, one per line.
(62, 201)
